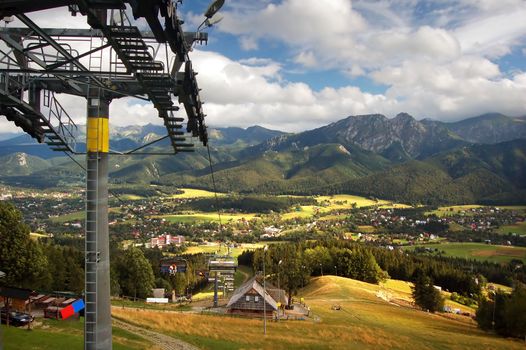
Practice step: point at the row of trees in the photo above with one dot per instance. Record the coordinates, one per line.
(21, 258)
(249, 204)
(291, 264)
(373, 264)
(42, 265)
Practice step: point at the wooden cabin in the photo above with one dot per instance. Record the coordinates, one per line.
(16, 298)
(251, 299)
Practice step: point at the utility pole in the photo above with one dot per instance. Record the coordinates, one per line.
(494, 306)
(264, 293)
(215, 291)
(279, 288)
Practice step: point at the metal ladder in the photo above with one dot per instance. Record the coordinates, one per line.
(91, 248)
(95, 59)
(92, 207)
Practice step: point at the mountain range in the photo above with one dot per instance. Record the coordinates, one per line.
(480, 159)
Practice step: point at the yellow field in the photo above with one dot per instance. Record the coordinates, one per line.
(222, 250)
(131, 197)
(205, 217)
(501, 287)
(395, 206)
(206, 295)
(350, 199)
(306, 211)
(35, 235)
(366, 229)
(194, 193)
(338, 202)
(453, 210)
(365, 321)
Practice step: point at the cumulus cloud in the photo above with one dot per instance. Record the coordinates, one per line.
(243, 95)
(494, 35)
(442, 66)
(246, 94)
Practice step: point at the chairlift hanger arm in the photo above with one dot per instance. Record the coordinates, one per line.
(18, 47)
(54, 44)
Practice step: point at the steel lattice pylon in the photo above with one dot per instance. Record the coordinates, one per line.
(112, 59)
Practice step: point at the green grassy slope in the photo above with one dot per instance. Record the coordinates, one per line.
(64, 335)
(480, 251)
(365, 321)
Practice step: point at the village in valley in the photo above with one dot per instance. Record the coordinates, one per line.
(212, 265)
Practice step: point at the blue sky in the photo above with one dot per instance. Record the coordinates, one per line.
(298, 64)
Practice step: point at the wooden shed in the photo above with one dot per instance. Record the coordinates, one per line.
(16, 298)
(250, 299)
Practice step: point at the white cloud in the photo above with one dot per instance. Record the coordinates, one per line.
(306, 59)
(322, 29)
(494, 5)
(494, 35)
(372, 33)
(244, 95)
(454, 90)
(248, 43)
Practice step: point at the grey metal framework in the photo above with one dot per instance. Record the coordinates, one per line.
(223, 269)
(111, 60)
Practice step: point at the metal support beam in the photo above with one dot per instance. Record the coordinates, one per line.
(97, 329)
(190, 37)
(215, 291)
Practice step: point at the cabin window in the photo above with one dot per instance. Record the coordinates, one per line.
(256, 298)
(247, 298)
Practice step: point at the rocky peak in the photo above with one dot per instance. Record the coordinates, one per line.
(21, 159)
(404, 117)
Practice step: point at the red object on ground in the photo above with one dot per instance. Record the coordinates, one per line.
(66, 312)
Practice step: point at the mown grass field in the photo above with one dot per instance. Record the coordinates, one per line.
(479, 251)
(466, 209)
(65, 335)
(141, 304)
(519, 228)
(75, 216)
(365, 321)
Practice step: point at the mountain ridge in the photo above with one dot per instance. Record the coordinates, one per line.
(399, 158)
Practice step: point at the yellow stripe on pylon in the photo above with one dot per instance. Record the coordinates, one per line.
(98, 135)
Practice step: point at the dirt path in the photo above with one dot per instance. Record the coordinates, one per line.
(165, 342)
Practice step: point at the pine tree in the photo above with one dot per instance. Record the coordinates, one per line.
(426, 295)
(136, 275)
(21, 258)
